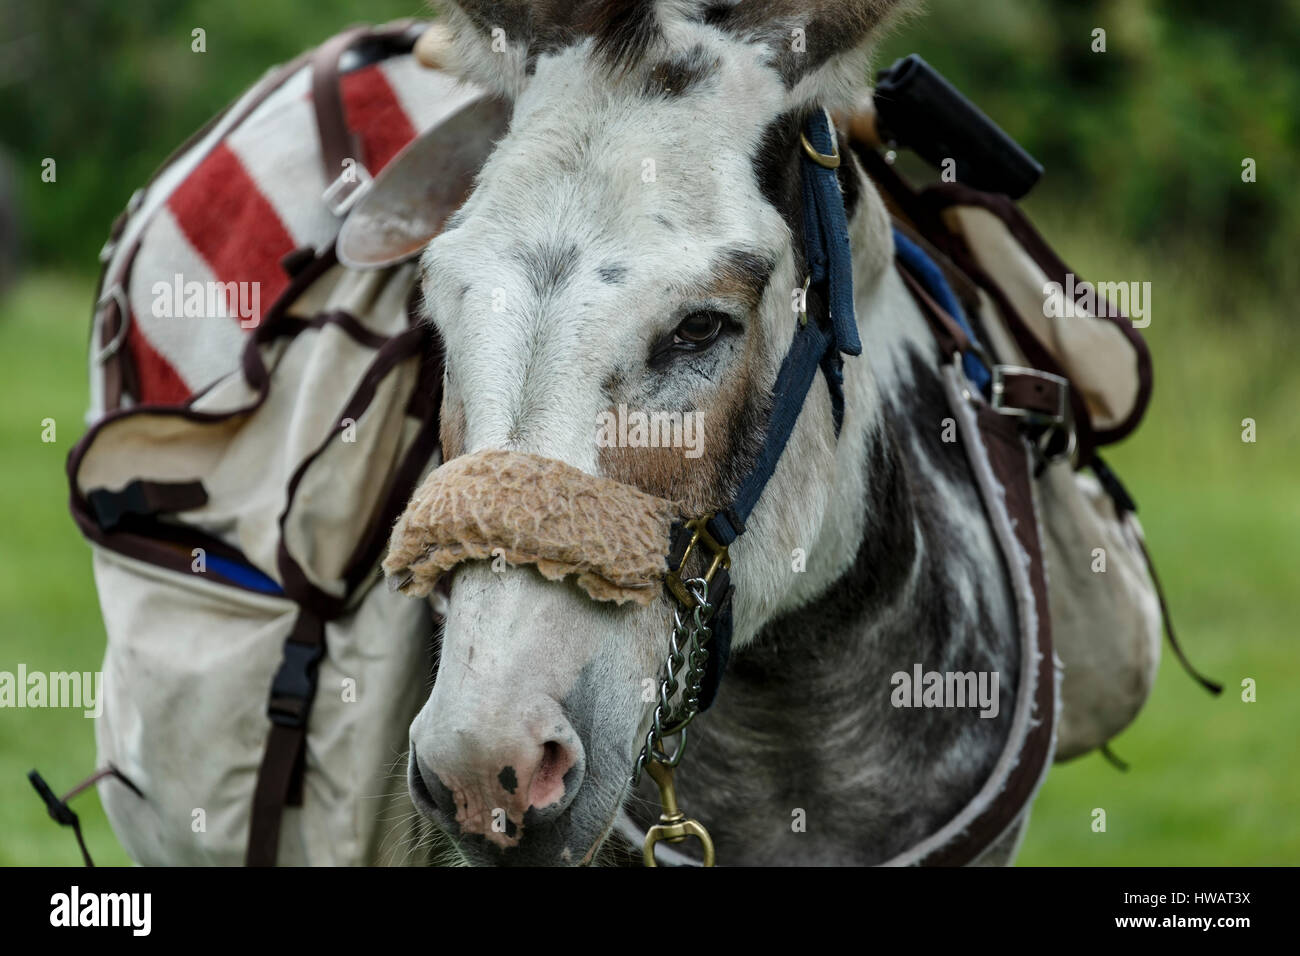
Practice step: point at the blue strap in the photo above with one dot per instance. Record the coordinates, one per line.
(811, 345)
(931, 276)
(826, 234)
(830, 260)
(816, 345)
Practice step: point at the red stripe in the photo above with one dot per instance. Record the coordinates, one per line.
(160, 384)
(375, 114)
(232, 225)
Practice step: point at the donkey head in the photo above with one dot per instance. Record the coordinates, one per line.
(633, 247)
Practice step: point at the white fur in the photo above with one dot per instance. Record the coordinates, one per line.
(528, 369)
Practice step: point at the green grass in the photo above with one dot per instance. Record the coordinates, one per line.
(1213, 781)
(49, 615)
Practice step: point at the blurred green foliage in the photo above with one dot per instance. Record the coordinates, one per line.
(108, 90)
(1148, 137)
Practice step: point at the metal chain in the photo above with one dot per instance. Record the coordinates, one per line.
(687, 644)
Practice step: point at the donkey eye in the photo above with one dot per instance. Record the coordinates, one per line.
(699, 329)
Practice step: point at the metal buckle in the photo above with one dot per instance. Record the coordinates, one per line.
(998, 398)
(721, 559)
(115, 294)
(346, 191)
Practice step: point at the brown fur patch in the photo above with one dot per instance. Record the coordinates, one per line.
(451, 428)
(678, 75)
(622, 29)
(741, 277)
(732, 427)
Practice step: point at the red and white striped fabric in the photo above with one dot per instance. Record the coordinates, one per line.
(232, 207)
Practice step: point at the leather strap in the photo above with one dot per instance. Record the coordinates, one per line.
(995, 445)
(1037, 395)
(1125, 506)
(927, 279)
(337, 141)
(280, 776)
(951, 337)
(1034, 396)
(1009, 459)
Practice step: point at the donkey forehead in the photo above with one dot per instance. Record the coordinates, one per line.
(602, 153)
(611, 204)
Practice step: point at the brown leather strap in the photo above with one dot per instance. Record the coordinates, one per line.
(1214, 687)
(1026, 392)
(1032, 393)
(280, 776)
(923, 211)
(1037, 397)
(281, 762)
(111, 328)
(145, 498)
(337, 141)
(952, 338)
(1009, 459)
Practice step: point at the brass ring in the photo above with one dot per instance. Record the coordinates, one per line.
(821, 159)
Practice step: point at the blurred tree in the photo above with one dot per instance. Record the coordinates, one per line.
(1146, 138)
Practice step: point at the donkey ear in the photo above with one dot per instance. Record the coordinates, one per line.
(818, 46)
(486, 42)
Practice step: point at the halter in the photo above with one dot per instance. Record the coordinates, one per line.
(701, 636)
(704, 638)
(818, 344)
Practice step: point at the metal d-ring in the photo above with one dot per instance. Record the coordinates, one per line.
(118, 295)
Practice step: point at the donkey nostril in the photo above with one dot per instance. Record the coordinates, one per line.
(428, 790)
(547, 786)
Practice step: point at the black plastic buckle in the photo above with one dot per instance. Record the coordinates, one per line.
(294, 686)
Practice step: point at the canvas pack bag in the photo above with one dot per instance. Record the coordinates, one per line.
(236, 547)
(244, 467)
(1035, 315)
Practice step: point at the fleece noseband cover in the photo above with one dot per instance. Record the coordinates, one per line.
(532, 510)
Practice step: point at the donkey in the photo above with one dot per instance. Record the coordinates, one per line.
(635, 240)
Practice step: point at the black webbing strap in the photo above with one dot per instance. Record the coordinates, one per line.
(280, 776)
(145, 498)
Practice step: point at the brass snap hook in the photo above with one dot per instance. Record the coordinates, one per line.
(673, 825)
